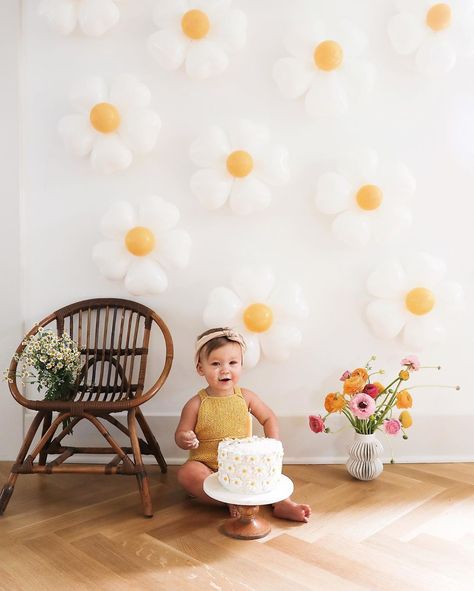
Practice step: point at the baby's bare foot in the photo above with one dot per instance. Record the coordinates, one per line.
(233, 510)
(288, 509)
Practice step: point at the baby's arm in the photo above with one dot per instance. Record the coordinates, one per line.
(263, 413)
(184, 436)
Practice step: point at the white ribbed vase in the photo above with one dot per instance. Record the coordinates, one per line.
(364, 461)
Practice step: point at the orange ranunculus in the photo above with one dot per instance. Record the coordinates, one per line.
(334, 402)
(380, 387)
(356, 382)
(405, 419)
(404, 399)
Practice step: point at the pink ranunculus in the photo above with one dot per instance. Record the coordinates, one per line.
(362, 405)
(371, 390)
(412, 362)
(392, 426)
(316, 424)
(345, 376)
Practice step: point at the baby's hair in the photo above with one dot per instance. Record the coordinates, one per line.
(213, 344)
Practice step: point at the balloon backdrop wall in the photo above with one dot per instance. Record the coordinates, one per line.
(302, 163)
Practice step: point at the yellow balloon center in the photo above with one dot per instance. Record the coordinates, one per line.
(369, 197)
(140, 241)
(240, 163)
(258, 317)
(195, 24)
(419, 301)
(438, 17)
(104, 117)
(328, 55)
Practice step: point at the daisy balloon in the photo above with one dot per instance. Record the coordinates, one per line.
(412, 299)
(369, 198)
(264, 312)
(110, 124)
(198, 34)
(141, 244)
(434, 32)
(238, 167)
(94, 17)
(325, 66)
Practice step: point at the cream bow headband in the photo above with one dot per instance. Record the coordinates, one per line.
(228, 333)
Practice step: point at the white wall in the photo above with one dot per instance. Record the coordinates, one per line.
(421, 121)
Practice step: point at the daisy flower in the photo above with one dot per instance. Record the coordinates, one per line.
(110, 125)
(369, 198)
(412, 298)
(263, 312)
(198, 34)
(435, 32)
(94, 17)
(237, 166)
(325, 66)
(141, 244)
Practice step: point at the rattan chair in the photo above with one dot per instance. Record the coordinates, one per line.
(114, 338)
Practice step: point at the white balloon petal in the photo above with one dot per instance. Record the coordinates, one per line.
(352, 39)
(252, 353)
(168, 13)
(211, 148)
(326, 97)
(334, 193)
(359, 79)
(129, 93)
(230, 30)
(97, 16)
(278, 342)
(157, 214)
(388, 280)
(112, 259)
(359, 166)
(302, 39)
(249, 195)
(391, 222)
(396, 179)
(168, 48)
(420, 332)
(423, 269)
(435, 57)
(205, 59)
(223, 308)
(352, 227)
(139, 130)
(145, 277)
(292, 77)
(450, 296)
(173, 249)
(273, 167)
(287, 301)
(386, 318)
(76, 133)
(211, 187)
(88, 92)
(406, 32)
(118, 220)
(253, 284)
(109, 154)
(249, 136)
(60, 14)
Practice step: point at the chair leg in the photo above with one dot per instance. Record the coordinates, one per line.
(7, 490)
(142, 476)
(152, 442)
(46, 425)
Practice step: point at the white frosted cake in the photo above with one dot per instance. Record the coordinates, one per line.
(251, 465)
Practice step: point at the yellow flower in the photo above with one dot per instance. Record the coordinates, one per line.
(356, 382)
(380, 387)
(334, 402)
(404, 374)
(405, 419)
(404, 399)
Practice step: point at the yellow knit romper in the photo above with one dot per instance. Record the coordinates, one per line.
(219, 417)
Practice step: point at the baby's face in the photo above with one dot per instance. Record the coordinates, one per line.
(222, 368)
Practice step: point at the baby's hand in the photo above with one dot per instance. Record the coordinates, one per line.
(189, 440)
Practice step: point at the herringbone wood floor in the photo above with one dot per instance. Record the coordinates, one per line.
(412, 529)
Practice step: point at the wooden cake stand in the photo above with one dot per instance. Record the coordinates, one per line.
(249, 525)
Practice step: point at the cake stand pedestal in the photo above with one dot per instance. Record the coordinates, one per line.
(249, 525)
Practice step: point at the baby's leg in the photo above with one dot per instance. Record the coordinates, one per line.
(288, 509)
(191, 476)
